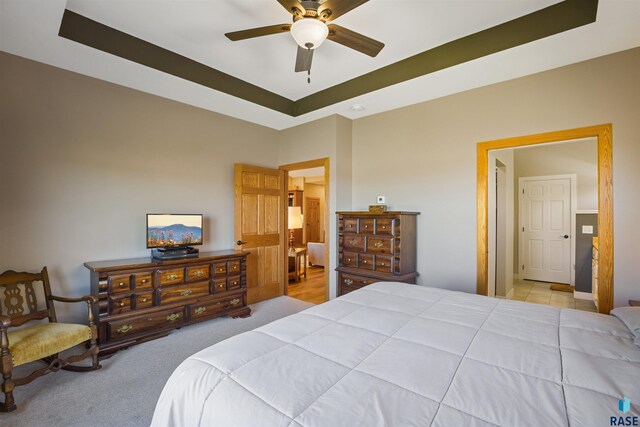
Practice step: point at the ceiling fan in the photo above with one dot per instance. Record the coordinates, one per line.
(310, 29)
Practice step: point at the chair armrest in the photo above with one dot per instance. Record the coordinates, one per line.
(88, 298)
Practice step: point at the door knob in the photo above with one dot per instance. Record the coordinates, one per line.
(240, 243)
(566, 236)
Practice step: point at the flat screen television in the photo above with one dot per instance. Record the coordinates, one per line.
(173, 230)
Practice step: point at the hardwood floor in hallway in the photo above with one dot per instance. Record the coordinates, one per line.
(310, 289)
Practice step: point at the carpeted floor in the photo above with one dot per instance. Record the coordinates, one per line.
(124, 392)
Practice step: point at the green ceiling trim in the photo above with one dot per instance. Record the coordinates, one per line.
(102, 37)
(555, 19)
(545, 22)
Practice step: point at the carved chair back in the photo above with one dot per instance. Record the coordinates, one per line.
(25, 297)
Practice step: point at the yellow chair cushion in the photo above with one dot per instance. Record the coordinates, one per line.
(44, 339)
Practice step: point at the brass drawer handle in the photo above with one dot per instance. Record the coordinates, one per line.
(235, 267)
(144, 300)
(173, 317)
(382, 264)
(221, 285)
(366, 226)
(234, 283)
(378, 244)
(353, 242)
(350, 225)
(121, 284)
(221, 269)
(364, 262)
(173, 276)
(235, 301)
(348, 281)
(348, 259)
(384, 227)
(200, 310)
(143, 281)
(121, 303)
(198, 273)
(124, 329)
(186, 292)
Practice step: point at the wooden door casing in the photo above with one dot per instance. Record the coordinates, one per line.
(260, 197)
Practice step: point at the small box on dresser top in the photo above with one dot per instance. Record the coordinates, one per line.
(375, 247)
(144, 298)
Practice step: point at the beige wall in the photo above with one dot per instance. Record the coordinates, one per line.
(82, 161)
(317, 191)
(423, 158)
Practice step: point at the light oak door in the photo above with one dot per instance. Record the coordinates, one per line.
(546, 230)
(312, 219)
(259, 228)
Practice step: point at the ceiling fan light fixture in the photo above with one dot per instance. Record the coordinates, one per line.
(309, 33)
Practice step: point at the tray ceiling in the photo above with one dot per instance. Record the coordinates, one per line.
(195, 30)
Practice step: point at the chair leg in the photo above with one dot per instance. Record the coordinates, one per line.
(7, 388)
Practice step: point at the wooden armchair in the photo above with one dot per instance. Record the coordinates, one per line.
(40, 341)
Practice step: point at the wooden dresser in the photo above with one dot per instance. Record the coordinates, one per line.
(375, 247)
(142, 298)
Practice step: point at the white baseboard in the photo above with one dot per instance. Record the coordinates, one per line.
(583, 295)
(510, 294)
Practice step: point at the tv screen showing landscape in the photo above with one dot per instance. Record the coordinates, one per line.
(166, 230)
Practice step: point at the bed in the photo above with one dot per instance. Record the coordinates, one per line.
(393, 354)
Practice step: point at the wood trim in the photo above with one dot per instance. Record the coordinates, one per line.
(603, 133)
(323, 162)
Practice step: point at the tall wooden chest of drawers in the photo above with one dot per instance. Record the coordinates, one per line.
(142, 298)
(375, 247)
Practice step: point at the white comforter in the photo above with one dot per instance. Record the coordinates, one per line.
(393, 354)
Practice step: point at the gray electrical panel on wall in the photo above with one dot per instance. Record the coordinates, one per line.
(586, 229)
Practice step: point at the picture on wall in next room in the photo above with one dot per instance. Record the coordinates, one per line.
(165, 230)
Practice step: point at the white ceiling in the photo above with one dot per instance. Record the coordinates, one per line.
(195, 28)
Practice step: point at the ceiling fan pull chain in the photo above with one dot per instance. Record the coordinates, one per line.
(309, 70)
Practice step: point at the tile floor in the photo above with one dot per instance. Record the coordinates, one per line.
(540, 293)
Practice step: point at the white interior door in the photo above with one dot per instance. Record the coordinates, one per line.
(546, 229)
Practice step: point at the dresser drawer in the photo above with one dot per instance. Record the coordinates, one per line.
(170, 277)
(120, 283)
(384, 227)
(366, 226)
(143, 281)
(198, 273)
(384, 264)
(354, 243)
(234, 283)
(119, 304)
(351, 225)
(365, 262)
(220, 269)
(350, 259)
(350, 283)
(220, 285)
(184, 292)
(144, 300)
(380, 245)
(213, 308)
(122, 329)
(234, 267)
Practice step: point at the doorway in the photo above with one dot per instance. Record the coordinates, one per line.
(308, 186)
(603, 138)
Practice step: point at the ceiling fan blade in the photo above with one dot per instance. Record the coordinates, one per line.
(303, 59)
(258, 32)
(335, 8)
(292, 5)
(354, 40)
